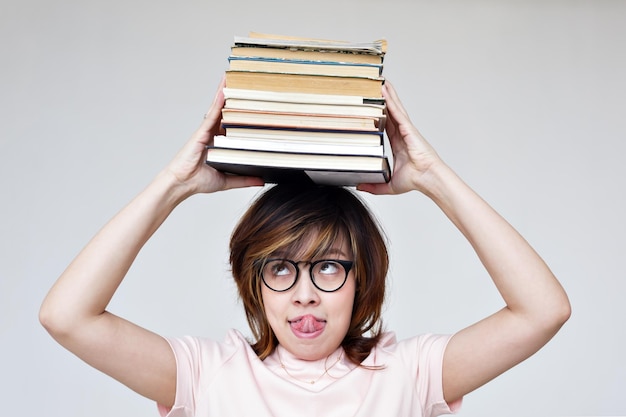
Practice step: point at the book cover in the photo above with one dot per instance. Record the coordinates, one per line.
(373, 48)
(261, 35)
(276, 167)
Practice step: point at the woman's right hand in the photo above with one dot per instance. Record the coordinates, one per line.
(189, 169)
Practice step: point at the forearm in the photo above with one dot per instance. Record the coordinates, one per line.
(87, 285)
(525, 282)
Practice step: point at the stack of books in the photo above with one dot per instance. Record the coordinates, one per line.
(299, 109)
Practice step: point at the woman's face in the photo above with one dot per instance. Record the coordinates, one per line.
(308, 322)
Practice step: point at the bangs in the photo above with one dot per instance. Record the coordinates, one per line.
(320, 244)
(314, 241)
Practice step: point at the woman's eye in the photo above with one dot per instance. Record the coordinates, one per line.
(328, 268)
(281, 269)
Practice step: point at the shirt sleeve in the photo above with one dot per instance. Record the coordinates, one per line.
(425, 356)
(197, 361)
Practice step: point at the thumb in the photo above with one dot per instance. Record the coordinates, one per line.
(376, 189)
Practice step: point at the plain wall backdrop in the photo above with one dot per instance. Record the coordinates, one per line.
(524, 99)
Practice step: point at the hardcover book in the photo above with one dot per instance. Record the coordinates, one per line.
(348, 170)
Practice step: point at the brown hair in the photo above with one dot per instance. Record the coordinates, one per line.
(284, 218)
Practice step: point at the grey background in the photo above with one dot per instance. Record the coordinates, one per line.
(524, 99)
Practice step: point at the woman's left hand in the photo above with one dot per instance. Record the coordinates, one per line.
(413, 157)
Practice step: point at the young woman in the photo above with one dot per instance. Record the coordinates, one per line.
(310, 265)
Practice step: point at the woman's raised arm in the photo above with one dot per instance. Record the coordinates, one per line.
(536, 304)
(74, 311)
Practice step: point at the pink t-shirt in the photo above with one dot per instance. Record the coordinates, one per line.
(228, 379)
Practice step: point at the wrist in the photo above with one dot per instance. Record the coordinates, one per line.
(439, 181)
(171, 190)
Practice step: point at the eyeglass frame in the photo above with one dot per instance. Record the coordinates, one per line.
(346, 265)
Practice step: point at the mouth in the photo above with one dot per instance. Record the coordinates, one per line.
(307, 326)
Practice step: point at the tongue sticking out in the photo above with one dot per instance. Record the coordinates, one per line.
(308, 324)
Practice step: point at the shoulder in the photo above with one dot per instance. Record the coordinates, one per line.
(200, 362)
(207, 351)
(418, 362)
(389, 341)
(420, 348)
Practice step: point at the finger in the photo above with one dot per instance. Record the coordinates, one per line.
(391, 125)
(393, 114)
(393, 100)
(393, 131)
(376, 189)
(240, 181)
(214, 114)
(219, 95)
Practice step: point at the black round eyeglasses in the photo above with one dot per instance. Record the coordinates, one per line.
(327, 275)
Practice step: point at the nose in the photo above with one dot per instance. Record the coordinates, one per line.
(304, 292)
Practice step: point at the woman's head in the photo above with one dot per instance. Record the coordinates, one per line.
(307, 223)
